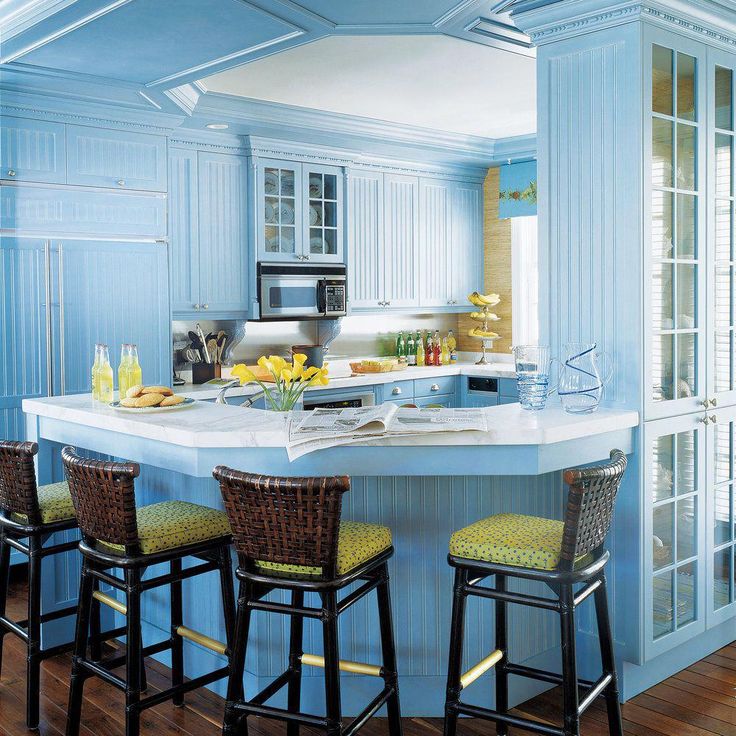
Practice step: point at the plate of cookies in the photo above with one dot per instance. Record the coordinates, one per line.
(144, 399)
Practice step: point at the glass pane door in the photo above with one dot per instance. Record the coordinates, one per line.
(675, 494)
(723, 257)
(280, 211)
(676, 255)
(322, 187)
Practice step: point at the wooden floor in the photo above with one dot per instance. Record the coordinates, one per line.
(699, 701)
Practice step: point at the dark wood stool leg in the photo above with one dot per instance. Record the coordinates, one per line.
(237, 663)
(502, 676)
(569, 663)
(4, 583)
(332, 664)
(177, 643)
(605, 636)
(228, 600)
(134, 657)
(296, 638)
(95, 627)
(457, 632)
(388, 649)
(33, 682)
(78, 676)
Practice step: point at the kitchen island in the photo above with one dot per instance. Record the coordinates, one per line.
(423, 487)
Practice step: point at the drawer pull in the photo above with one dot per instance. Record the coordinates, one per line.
(11, 172)
(121, 182)
(196, 307)
(396, 391)
(434, 387)
(205, 306)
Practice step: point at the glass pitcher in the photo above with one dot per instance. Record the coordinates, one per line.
(533, 365)
(585, 373)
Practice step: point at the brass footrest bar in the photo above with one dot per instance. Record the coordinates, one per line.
(481, 668)
(206, 641)
(113, 603)
(357, 668)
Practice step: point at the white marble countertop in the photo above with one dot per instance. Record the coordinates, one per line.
(206, 425)
(340, 378)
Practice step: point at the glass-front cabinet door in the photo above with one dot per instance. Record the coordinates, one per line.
(721, 517)
(279, 185)
(323, 222)
(299, 212)
(674, 539)
(722, 266)
(676, 251)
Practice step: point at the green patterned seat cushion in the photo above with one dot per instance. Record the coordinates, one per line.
(357, 543)
(54, 502)
(171, 524)
(512, 539)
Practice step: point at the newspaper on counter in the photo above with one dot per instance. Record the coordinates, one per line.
(314, 430)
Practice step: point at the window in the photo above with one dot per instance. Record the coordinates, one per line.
(525, 281)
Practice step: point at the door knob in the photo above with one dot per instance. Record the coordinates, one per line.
(205, 306)
(11, 172)
(196, 306)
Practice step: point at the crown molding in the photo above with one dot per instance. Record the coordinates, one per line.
(17, 16)
(259, 117)
(515, 148)
(546, 21)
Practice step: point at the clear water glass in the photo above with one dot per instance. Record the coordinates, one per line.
(533, 363)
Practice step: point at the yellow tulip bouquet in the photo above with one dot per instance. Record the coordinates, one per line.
(291, 379)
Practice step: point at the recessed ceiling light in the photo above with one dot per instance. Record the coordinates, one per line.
(217, 126)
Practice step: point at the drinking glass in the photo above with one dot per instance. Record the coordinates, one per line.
(533, 364)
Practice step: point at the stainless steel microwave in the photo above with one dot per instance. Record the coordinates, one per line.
(301, 291)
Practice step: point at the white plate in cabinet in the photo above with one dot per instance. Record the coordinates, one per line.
(118, 159)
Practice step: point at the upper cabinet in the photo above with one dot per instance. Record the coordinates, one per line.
(299, 212)
(207, 230)
(414, 243)
(32, 150)
(115, 158)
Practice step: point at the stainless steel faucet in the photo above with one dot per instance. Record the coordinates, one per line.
(248, 402)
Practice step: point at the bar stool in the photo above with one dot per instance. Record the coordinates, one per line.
(560, 554)
(288, 536)
(117, 535)
(33, 513)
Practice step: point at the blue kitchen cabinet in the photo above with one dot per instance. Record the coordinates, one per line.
(208, 235)
(299, 216)
(118, 159)
(48, 211)
(400, 244)
(110, 292)
(365, 240)
(451, 242)
(446, 401)
(32, 150)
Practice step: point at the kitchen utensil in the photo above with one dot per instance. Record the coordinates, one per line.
(221, 340)
(204, 343)
(315, 354)
(212, 349)
(533, 367)
(194, 339)
(581, 382)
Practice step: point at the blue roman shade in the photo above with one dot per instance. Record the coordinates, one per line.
(517, 191)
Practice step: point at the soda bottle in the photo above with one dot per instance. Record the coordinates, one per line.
(136, 374)
(436, 348)
(124, 371)
(105, 377)
(420, 349)
(445, 352)
(429, 352)
(399, 339)
(411, 350)
(401, 348)
(96, 373)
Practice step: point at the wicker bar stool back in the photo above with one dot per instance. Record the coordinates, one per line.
(18, 490)
(27, 524)
(288, 521)
(104, 499)
(591, 498)
(289, 536)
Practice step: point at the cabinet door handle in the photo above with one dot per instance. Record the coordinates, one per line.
(396, 391)
(196, 307)
(434, 387)
(11, 172)
(713, 419)
(705, 420)
(387, 304)
(205, 306)
(306, 257)
(714, 402)
(121, 182)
